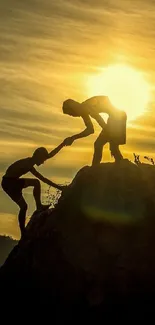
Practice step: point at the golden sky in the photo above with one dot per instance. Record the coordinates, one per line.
(48, 52)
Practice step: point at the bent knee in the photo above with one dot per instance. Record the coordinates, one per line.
(32, 182)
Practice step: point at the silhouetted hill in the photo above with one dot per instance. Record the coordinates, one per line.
(94, 254)
(6, 245)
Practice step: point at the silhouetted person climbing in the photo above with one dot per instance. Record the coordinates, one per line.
(13, 185)
(113, 132)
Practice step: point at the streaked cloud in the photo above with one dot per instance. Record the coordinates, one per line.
(48, 50)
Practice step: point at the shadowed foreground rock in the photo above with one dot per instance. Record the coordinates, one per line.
(94, 254)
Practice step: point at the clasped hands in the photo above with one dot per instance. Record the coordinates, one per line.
(68, 141)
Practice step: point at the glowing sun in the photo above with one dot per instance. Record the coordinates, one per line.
(126, 88)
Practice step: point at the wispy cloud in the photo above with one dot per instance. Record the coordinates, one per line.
(48, 49)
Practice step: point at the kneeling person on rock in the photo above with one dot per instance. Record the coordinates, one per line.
(13, 185)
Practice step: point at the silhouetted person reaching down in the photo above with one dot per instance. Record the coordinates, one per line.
(13, 185)
(114, 131)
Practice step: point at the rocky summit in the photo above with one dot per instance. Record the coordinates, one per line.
(94, 253)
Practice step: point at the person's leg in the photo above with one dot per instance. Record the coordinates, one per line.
(98, 147)
(35, 183)
(36, 189)
(115, 152)
(22, 214)
(13, 187)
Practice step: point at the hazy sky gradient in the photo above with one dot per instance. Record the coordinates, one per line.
(48, 51)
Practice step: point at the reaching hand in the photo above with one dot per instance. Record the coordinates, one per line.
(68, 141)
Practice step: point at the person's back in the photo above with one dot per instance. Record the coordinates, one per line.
(96, 105)
(91, 106)
(116, 123)
(19, 168)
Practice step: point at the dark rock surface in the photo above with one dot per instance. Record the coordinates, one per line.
(93, 255)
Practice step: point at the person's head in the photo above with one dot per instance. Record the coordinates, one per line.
(71, 107)
(40, 155)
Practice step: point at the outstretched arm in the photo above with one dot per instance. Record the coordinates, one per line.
(45, 180)
(56, 150)
(89, 130)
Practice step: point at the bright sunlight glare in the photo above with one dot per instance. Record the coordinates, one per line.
(126, 88)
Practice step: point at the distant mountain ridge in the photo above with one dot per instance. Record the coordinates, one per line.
(6, 245)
